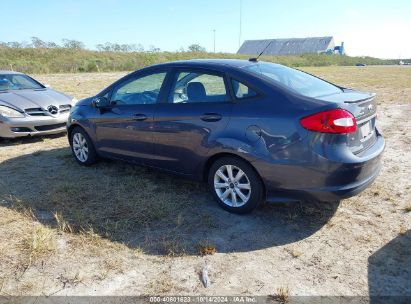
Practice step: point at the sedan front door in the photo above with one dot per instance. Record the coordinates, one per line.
(125, 129)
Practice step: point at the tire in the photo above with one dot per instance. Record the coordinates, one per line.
(82, 147)
(234, 193)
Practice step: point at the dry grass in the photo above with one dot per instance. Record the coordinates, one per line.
(294, 252)
(80, 85)
(403, 230)
(206, 248)
(282, 295)
(38, 244)
(26, 287)
(173, 247)
(106, 199)
(408, 207)
(161, 284)
(2, 283)
(62, 225)
(68, 280)
(208, 220)
(392, 84)
(94, 244)
(110, 267)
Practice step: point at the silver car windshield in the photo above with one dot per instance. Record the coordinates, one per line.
(17, 82)
(297, 81)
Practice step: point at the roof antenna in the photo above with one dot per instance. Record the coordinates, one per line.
(256, 58)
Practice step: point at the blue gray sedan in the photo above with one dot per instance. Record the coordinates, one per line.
(252, 130)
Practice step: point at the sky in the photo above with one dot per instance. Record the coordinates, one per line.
(368, 28)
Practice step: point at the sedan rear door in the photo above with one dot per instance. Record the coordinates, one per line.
(192, 120)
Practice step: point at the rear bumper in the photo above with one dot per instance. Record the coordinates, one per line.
(31, 126)
(322, 179)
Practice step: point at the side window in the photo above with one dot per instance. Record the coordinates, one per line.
(241, 91)
(192, 87)
(143, 90)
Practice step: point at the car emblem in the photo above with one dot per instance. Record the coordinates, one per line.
(370, 107)
(53, 110)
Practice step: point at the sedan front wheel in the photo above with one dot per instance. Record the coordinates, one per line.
(82, 147)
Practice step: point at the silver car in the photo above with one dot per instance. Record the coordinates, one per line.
(29, 108)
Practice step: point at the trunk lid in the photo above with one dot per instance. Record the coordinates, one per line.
(364, 108)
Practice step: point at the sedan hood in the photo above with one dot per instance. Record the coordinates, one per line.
(24, 99)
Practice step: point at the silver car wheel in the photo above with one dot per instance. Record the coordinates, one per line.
(80, 147)
(232, 186)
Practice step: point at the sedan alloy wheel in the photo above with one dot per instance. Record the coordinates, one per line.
(232, 186)
(80, 147)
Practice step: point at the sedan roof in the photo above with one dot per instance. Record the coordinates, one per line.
(211, 63)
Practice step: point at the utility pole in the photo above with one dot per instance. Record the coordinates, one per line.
(214, 40)
(241, 23)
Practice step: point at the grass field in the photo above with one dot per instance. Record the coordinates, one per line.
(120, 229)
(30, 60)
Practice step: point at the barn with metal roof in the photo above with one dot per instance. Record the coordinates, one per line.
(288, 46)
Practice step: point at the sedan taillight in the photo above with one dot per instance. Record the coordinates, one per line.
(333, 121)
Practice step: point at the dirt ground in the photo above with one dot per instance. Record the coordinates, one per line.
(119, 229)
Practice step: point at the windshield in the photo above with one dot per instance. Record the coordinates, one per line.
(17, 82)
(295, 80)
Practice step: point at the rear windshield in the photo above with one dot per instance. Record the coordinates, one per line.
(295, 80)
(17, 82)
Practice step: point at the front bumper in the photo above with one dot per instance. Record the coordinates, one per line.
(322, 179)
(32, 126)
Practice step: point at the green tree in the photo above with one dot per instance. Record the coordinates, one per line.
(73, 44)
(38, 43)
(196, 48)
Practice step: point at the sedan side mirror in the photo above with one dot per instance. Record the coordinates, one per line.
(100, 102)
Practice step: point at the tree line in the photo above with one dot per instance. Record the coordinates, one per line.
(72, 44)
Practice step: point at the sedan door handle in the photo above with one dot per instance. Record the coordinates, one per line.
(211, 117)
(139, 117)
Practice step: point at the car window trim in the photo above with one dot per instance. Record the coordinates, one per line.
(259, 92)
(135, 76)
(177, 70)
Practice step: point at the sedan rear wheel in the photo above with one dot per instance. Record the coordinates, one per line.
(82, 147)
(235, 185)
(232, 186)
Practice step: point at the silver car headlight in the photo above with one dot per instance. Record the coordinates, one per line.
(9, 112)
